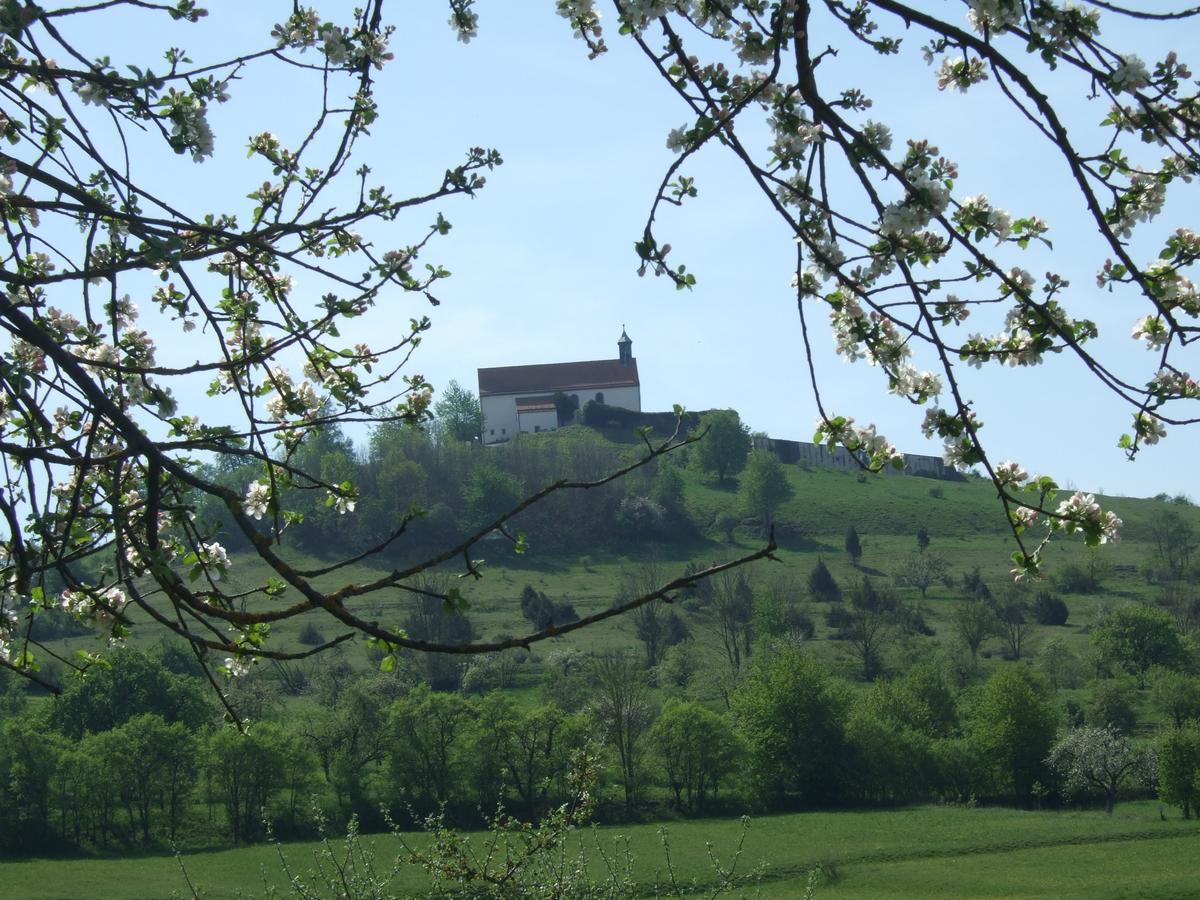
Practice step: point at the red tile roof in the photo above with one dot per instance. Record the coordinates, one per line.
(565, 377)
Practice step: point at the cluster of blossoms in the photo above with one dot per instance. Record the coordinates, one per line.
(1129, 76)
(9, 629)
(299, 399)
(214, 558)
(1081, 512)
(1060, 26)
(960, 72)
(876, 136)
(342, 501)
(258, 495)
(921, 386)
(959, 449)
(101, 606)
(993, 15)
(342, 47)
(977, 215)
(877, 449)
(1172, 290)
(582, 14)
(1169, 383)
(1141, 202)
(927, 197)
(1153, 330)
(237, 666)
(1149, 428)
(791, 141)
(190, 130)
(1009, 472)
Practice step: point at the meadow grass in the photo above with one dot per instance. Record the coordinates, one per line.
(930, 851)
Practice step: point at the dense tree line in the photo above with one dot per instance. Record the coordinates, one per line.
(791, 734)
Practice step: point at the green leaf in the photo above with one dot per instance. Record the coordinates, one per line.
(388, 663)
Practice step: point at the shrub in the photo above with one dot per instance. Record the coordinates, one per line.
(1050, 609)
(311, 635)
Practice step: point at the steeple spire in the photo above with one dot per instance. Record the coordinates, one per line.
(625, 348)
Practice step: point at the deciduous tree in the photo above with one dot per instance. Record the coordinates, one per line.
(726, 444)
(1098, 759)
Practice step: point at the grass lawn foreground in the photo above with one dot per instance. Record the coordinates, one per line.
(930, 851)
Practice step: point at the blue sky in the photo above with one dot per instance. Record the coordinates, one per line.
(543, 261)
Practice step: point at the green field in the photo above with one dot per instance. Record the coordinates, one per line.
(932, 851)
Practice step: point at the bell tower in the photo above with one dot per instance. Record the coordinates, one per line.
(625, 348)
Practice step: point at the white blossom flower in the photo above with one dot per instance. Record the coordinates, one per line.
(960, 73)
(1153, 330)
(1130, 75)
(1149, 428)
(993, 15)
(214, 558)
(1009, 472)
(257, 497)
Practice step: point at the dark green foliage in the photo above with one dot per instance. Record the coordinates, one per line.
(922, 539)
(311, 635)
(1012, 725)
(245, 770)
(870, 622)
(822, 586)
(1076, 579)
(764, 486)
(1111, 706)
(697, 750)
(974, 586)
(459, 415)
(490, 493)
(853, 545)
(725, 447)
(427, 737)
(1050, 609)
(132, 683)
(1175, 695)
(792, 714)
(542, 612)
(1134, 638)
(1179, 768)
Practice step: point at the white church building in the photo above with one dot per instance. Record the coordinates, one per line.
(519, 399)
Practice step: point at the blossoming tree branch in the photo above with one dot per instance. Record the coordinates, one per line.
(909, 273)
(102, 470)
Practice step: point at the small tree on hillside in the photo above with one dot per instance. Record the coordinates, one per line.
(974, 622)
(922, 539)
(458, 415)
(869, 625)
(733, 611)
(725, 447)
(822, 586)
(853, 545)
(764, 486)
(1016, 620)
(922, 570)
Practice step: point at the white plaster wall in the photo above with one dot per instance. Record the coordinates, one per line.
(624, 397)
(499, 418)
(546, 420)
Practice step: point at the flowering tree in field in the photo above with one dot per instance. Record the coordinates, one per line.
(909, 272)
(1101, 760)
(108, 257)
